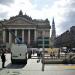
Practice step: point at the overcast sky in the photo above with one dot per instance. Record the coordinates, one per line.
(62, 10)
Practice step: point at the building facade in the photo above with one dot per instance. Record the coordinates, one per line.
(25, 28)
(66, 39)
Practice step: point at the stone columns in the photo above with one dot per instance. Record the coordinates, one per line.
(35, 35)
(15, 35)
(10, 36)
(22, 35)
(4, 36)
(29, 36)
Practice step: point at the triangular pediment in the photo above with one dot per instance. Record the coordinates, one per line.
(19, 21)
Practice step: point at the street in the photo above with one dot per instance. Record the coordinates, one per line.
(35, 68)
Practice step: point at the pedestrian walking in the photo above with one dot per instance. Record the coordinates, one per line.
(59, 53)
(3, 59)
(39, 56)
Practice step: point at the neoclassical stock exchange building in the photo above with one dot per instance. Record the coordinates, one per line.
(30, 31)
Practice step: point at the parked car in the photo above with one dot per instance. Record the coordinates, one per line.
(64, 49)
(73, 50)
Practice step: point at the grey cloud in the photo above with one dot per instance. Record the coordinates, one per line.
(69, 17)
(72, 3)
(6, 2)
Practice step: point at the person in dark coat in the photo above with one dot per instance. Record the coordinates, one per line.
(39, 56)
(3, 59)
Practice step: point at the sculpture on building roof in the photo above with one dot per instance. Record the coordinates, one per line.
(20, 13)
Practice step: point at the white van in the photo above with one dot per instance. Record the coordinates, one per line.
(19, 53)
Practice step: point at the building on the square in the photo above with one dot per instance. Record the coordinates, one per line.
(26, 28)
(66, 39)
